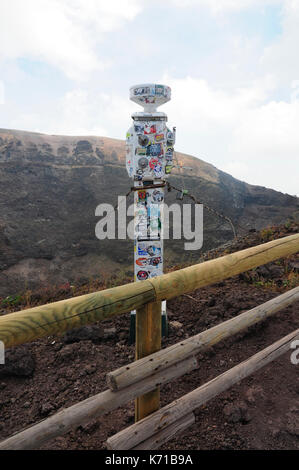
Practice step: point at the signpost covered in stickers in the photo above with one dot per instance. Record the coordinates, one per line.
(149, 159)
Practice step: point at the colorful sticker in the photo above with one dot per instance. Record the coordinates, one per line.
(141, 195)
(143, 140)
(154, 150)
(155, 261)
(148, 249)
(158, 170)
(140, 151)
(159, 137)
(142, 275)
(150, 129)
(153, 250)
(139, 128)
(153, 163)
(149, 261)
(142, 261)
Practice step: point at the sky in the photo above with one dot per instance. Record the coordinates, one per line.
(66, 67)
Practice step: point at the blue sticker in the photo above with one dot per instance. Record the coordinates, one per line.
(154, 150)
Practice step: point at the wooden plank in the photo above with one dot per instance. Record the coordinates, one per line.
(188, 279)
(58, 317)
(93, 407)
(148, 341)
(158, 439)
(127, 375)
(131, 437)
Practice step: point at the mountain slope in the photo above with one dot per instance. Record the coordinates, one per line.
(51, 185)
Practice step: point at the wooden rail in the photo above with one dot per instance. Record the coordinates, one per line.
(96, 406)
(129, 374)
(93, 407)
(143, 378)
(147, 428)
(27, 325)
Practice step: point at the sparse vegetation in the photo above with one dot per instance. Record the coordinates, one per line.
(266, 234)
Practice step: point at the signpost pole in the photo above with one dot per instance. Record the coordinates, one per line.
(149, 159)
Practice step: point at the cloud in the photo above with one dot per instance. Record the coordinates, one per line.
(63, 33)
(241, 132)
(1, 92)
(83, 112)
(281, 57)
(219, 6)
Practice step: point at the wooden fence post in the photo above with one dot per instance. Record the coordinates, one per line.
(148, 341)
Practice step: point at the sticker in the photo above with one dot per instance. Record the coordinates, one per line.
(158, 170)
(139, 128)
(168, 169)
(150, 129)
(170, 136)
(154, 150)
(159, 90)
(154, 274)
(140, 151)
(142, 261)
(157, 196)
(153, 163)
(141, 195)
(154, 211)
(141, 91)
(155, 261)
(142, 249)
(143, 140)
(143, 162)
(153, 250)
(149, 261)
(159, 137)
(142, 275)
(169, 155)
(145, 249)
